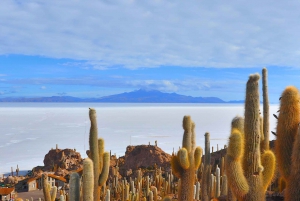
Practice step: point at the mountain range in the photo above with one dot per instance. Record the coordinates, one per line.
(138, 96)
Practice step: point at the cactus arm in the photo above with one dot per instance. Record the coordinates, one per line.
(197, 157)
(183, 158)
(176, 167)
(234, 170)
(100, 153)
(268, 162)
(187, 135)
(105, 170)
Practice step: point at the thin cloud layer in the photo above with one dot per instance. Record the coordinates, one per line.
(135, 34)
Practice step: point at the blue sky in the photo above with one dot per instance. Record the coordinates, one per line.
(98, 48)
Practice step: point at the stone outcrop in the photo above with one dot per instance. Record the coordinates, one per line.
(144, 156)
(60, 162)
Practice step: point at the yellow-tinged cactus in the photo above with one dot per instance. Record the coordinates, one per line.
(234, 170)
(197, 156)
(268, 162)
(176, 167)
(100, 152)
(293, 185)
(183, 158)
(236, 145)
(249, 173)
(287, 127)
(184, 163)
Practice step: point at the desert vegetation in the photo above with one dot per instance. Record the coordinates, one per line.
(247, 171)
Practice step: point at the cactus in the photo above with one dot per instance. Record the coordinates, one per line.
(88, 180)
(288, 142)
(53, 193)
(94, 152)
(218, 182)
(184, 164)
(244, 166)
(224, 188)
(74, 187)
(287, 127)
(266, 124)
(46, 189)
(206, 170)
(101, 159)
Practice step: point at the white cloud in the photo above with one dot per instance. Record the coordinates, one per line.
(154, 33)
(43, 87)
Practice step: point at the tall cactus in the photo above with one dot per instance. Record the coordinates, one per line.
(205, 193)
(187, 161)
(101, 159)
(266, 125)
(288, 142)
(94, 154)
(244, 167)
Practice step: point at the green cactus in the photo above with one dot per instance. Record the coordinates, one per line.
(287, 145)
(184, 164)
(74, 190)
(266, 124)
(94, 152)
(245, 169)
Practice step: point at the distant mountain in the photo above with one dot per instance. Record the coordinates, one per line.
(138, 96)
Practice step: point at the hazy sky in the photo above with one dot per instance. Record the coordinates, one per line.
(95, 48)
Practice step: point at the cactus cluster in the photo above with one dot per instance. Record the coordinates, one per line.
(249, 169)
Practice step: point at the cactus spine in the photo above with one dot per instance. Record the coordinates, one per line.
(183, 165)
(243, 160)
(288, 142)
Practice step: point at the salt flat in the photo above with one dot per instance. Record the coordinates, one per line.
(29, 130)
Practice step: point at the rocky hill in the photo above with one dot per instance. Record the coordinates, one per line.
(60, 162)
(144, 156)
